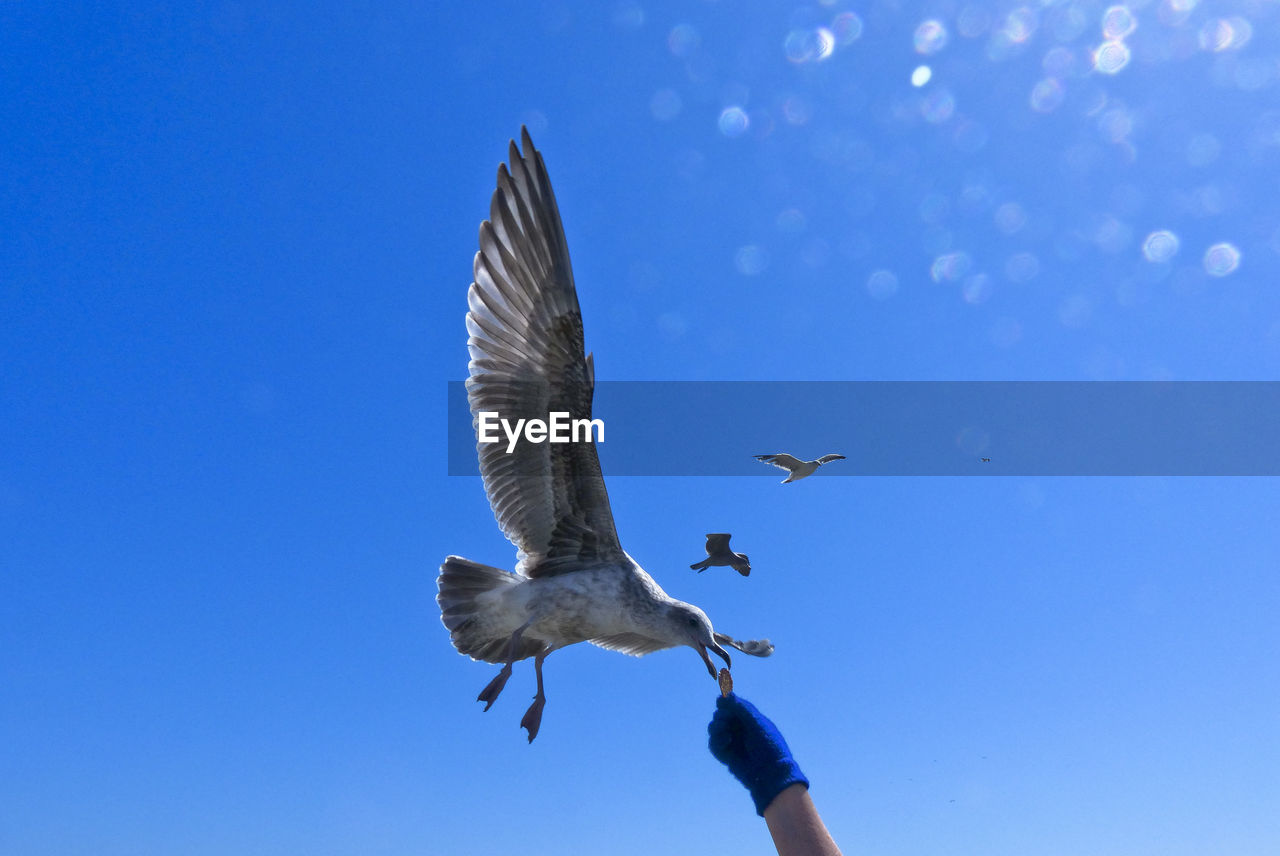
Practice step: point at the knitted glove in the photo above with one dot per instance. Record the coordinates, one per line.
(745, 741)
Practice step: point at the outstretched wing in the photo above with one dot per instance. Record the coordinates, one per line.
(717, 542)
(527, 362)
(826, 459)
(782, 460)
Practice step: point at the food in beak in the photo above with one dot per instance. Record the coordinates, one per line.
(726, 682)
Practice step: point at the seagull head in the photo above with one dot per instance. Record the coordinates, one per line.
(694, 629)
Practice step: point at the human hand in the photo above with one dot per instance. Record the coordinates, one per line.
(750, 745)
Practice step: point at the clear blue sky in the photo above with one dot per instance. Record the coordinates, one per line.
(235, 243)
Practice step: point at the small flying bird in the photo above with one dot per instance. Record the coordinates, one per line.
(573, 582)
(797, 468)
(719, 554)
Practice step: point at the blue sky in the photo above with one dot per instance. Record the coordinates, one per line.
(234, 250)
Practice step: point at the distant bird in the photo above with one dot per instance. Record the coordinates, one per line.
(986, 460)
(573, 582)
(719, 554)
(797, 468)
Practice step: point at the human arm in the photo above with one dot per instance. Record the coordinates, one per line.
(753, 749)
(796, 826)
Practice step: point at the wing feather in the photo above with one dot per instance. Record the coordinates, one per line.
(781, 460)
(527, 360)
(635, 644)
(717, 542)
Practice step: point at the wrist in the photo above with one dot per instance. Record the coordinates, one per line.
(769, 784)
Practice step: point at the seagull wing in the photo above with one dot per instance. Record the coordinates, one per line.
(635, 644)
(781, 460)
(717, 542)
(826, 459)
(527, 361)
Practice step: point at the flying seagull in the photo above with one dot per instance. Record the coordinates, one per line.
(719, 554)
(797, 468)
(573, 582)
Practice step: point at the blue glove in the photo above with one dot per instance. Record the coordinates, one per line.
(752, 748)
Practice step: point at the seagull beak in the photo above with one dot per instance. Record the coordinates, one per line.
(702, 652)
(706, 658)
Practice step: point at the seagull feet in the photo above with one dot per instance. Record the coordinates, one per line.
(489, 694)
(533, 716)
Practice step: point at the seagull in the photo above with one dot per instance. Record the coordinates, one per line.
(719, 554)
(798, 468)
(573, 582)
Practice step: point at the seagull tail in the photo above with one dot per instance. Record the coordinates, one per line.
(462, 584)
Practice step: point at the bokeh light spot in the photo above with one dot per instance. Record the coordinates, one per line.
(1174, 13)
(826, 43)
(1010, 218)
(882, 284)
(1112, 235)
(1013, 34)
(790, 220)
(1221, 259)
(1111, 57)
(1047, 95)
(1116, 125)
(628, 15)
(921, 75)
(847, 28)
(733, 122)
(976, 289)
(796, 110)
(809, 45)
(1020, 24)
(950, 266)
(975, 198)
(1118, 22)
(1203, 150)
(930, 37)
(937, 107)
(750, 260)
(1022, 267)
(1225, 34)
(683, 40)
(1160, 246)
